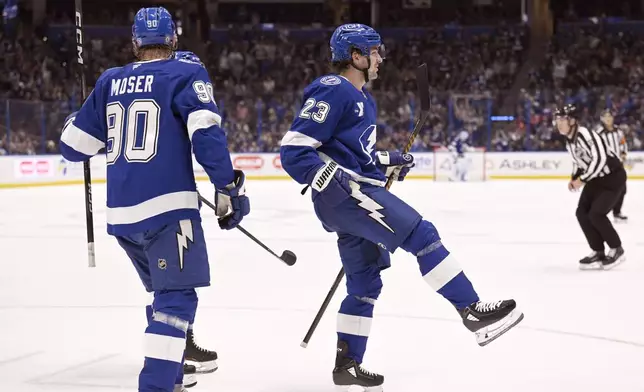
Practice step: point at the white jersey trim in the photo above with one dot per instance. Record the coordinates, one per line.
(152, 207)
(80, 140)
(202, 119)
(297, 139)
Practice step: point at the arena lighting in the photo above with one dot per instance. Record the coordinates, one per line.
(502, 118)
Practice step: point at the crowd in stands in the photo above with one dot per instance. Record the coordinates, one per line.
(258, 80)
(596, 68)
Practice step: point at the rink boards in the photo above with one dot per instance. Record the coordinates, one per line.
(41, 170)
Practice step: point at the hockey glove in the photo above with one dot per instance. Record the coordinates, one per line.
(331, 184)
(394, 163)
(231, 202)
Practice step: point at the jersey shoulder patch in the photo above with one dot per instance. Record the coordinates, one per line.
(330, 80)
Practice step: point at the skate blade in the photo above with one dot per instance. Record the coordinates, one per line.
(615, 263)
(490, 333)
(203, 367)
(357, 388)
(596, 266)
(189, 380)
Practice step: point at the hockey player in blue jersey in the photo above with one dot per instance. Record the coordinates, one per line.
(459, 149)
(150, 116)
(331, 147)
(197, 359)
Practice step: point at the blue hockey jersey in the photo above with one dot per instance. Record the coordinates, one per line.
(337, 122)
(459, 146)
(149, 116)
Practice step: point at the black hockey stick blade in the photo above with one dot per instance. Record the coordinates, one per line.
(289, 258)
(422, 81)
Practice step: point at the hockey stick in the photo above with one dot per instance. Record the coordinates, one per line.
(289, 258)
(89, 212)
(423, 94)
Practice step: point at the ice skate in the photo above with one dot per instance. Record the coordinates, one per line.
(204, 360)
(592, 262)
(489, 320)
(179, 388)
(189, 377)
(620, 218)
(614, 258)
(349, 375)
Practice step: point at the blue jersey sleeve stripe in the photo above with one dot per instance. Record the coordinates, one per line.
(297, 139)
(202, 119)
(152, 207)
(80, 140)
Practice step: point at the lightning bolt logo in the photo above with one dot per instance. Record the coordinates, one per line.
(368, 204)
(184, 235)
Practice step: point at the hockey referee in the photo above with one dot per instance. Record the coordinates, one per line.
(596, 168)
(617, 141)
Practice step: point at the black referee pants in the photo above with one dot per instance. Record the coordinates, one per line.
(617, 210)
(597, 198)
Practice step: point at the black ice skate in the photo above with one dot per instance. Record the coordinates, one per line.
(489, 320)
(204, 360)
(347, 373)
(614, 258)
(593, 261)
(620, 218)
(189, 378)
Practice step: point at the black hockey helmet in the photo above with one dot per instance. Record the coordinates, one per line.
(568, 110)
(607, 113)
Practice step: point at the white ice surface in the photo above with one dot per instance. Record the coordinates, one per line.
(65, 327)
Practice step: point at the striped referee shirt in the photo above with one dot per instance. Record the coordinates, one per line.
(615, 140)
(591, 154)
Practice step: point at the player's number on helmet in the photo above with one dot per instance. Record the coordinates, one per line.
(320, 115)
(204, 91)
(142, 133)
(153, 24)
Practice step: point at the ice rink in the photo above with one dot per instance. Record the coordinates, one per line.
(66, 327)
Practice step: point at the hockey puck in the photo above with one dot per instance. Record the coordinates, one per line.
(289, 257)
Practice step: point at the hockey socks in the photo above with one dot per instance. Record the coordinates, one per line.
(354, 325)
(165, 340)
(361, 259)
(439, 268)
(149, 313)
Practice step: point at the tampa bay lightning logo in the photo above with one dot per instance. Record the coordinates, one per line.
(368, 140)
(352, 27)
(330, 80)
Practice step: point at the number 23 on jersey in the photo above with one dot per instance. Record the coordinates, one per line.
(322, 110)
